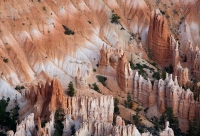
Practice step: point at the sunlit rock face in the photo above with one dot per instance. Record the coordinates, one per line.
(158, 38)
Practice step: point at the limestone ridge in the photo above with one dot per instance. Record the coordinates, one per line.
(159, 38)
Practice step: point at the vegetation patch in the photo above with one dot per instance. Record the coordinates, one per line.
(68, 31)
(8, 119)
(115, 18)
(140, 69)
(5, 60)
(129, 101)
(59, 118)
(18, 87)
(102, 79)
(116, 108)
(96, 88)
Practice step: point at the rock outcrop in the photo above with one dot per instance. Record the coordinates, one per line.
(51, 97)
(159, 38)
(167, 131)
(26, 127)
(110, 57)
(167, 93)
(80, 109)
(107, 129)
(124, 74)
(182, 74)
(193, 59)
(81, 82)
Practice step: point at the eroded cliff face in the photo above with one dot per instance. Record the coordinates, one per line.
(32, 37)
(159, 39)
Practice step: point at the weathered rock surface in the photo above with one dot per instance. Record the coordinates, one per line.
(159, 38)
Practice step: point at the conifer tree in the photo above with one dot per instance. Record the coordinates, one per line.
(71, 90)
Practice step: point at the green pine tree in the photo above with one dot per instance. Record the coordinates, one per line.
(169, 116)
(59, 118)
(4, 115)
(14, 115)
(71, 89)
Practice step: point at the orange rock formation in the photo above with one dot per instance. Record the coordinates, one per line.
(124, 74)
(47, 98)
(158, 37)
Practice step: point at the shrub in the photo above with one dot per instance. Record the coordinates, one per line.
(115, 18)
(169, 69)
(156, 75)
(116, 108)
(132, 65)
(137, 119)
(5, 60)
(102, 79)
(68, 31)
(89, 22)
(163, 75)
(94, 70)
(96, 88)
(17, 87)
(175, 12)
(129, 101)
(44, 8)
(163, 13)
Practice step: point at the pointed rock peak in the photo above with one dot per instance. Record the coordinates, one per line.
(48, 82)
(190, 45)
(157, 12)
(176, 49)
(170, 77)
(176, 80)
(140, 45)
(197, 48)
(39, 123)
(179, 65)
(136, 74)
(103, 47)
(167, 77)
